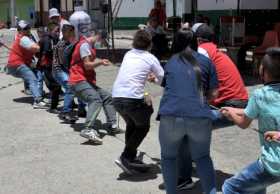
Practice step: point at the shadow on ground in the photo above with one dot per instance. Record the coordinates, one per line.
(220, 179)
(25, 100)
(140, 177)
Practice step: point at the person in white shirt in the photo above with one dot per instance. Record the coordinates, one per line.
(138, 67)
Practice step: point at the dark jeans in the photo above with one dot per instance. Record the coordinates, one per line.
(234, 103)
(53, 86)
(137, 116)
(96, 98)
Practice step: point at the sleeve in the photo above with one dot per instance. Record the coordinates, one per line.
(26, 42)
(252, 110)
(45, 46)
(85, 50)
(213, 78)
(157, 70)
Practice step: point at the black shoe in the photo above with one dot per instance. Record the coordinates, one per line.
(114, 130)
(185, 185)
(54, 111)
(123, 163)
(139, 165)
(68, 117)
(82, 113)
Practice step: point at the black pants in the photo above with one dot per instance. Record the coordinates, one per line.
(53, 87)
(137, 116)
(234, 103)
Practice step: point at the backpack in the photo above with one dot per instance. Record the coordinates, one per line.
(67, 55)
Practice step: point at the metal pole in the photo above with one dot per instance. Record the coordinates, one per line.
(12, 13)
(174, 8)
(111, 23)
(238, 7)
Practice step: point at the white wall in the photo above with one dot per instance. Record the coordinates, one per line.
(216, 4)
(138, 8)
(259, 4)
(232, 4)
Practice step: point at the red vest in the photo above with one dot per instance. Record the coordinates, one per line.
(78, 72)
(19, 55)
(231, 85)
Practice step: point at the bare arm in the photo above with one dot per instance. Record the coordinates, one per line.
(35, 48)
(237, 116)
(92, 64)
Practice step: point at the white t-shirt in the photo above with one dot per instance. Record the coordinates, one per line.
(133, 74)
(26, 42)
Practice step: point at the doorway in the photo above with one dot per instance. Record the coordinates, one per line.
(55, 4)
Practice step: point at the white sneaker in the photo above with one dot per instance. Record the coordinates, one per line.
(39, 105)
(91, 135)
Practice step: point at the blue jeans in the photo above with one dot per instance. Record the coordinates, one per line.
(29, 77)
(40, 78)
(62, 79)
(254, 179)
(198, 131)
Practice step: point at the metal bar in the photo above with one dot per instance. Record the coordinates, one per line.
(111, 24)
(12, 4)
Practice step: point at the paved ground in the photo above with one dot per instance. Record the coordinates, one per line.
(38, 154)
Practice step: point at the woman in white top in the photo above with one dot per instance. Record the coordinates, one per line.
(138, 67)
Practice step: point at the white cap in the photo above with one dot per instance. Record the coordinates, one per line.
(22, 24)
(53, 12)
(196, 26)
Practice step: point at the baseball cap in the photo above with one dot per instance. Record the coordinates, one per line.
(205, 32)
(196, 26)
(23, 25)
(53, 12)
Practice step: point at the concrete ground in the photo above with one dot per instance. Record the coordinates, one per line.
(39, 154)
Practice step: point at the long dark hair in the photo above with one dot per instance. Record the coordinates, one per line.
(184, 45)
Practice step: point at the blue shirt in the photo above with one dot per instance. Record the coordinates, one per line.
(181, 96)
(264, 105)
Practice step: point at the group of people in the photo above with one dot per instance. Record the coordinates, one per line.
(198, 76)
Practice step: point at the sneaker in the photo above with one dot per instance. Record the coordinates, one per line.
(189, 184)
(82, 113)
(91, 135)
(139, 166)
(54, 111)
(39, 105)
(68, 117)
(113, 129)
(123, 163)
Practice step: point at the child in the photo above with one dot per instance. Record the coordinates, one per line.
(264, 105)
(138, 66)
(60, 72)
(47, 43)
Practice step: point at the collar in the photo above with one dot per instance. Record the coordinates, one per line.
(272, 83)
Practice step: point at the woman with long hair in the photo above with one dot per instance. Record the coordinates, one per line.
(190, 81)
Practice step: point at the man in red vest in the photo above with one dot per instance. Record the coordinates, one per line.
(20, 60)
(232, 91)
(83, 78)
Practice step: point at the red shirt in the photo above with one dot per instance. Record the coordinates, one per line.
(160, 15)
(19, 55)
(231, 85)
(77, 70)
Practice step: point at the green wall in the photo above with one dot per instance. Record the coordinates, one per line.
(22, 9)
(132, 22)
